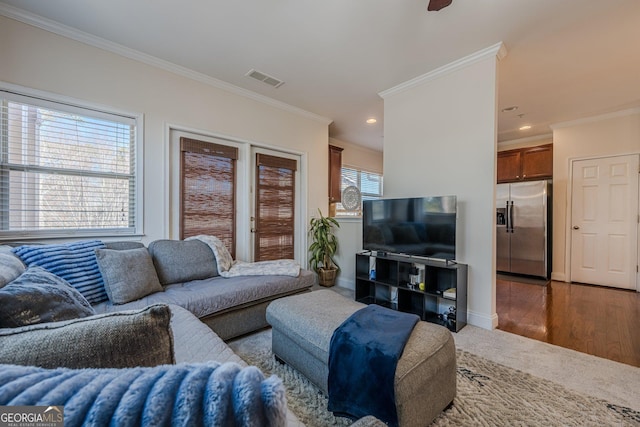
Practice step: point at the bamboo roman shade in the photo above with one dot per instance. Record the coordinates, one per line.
(275, 205)
(208, 180)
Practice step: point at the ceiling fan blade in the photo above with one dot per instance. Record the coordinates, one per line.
(435, 5)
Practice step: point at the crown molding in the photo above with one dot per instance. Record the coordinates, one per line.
(534, 138)
(592, 119)
(498, 50)
(95, 41)
(342, 143)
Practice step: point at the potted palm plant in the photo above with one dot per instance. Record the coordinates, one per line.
(324, 245)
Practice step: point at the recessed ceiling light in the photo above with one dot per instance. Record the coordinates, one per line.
(509, 109)
(371, 121)
(525, 127)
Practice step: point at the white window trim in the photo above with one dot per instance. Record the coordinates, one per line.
(12, 235)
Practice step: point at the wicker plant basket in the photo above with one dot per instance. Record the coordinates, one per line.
(327, 278)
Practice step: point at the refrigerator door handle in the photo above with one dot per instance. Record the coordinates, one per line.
(506, 216)
(511, 216)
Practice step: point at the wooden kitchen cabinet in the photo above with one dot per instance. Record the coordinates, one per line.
(335, 174)
(525, 164)
(537, 162)
(509, 165)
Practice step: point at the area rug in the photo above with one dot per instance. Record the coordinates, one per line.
(488, 394)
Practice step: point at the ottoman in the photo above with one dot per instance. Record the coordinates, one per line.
(425, 379)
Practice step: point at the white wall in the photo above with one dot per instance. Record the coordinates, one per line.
(617, 133)
(349, 243)
(38, 59)
(440, 139)
(359, 157)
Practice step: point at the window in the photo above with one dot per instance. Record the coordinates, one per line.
(65, 170)
(369, 184)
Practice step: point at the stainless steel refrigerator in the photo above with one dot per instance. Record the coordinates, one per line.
(523, 218)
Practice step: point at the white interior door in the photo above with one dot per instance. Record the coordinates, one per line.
(604, 221)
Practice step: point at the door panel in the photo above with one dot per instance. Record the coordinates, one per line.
(502, 232)
(529, 236)
(604, 221)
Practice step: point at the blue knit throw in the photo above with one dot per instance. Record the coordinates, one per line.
(206, 394)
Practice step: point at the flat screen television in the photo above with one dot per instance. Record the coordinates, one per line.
(419, 226)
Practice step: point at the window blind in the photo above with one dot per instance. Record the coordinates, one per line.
(275, 206)
(369, 184)
(208, 179)
(65, 169)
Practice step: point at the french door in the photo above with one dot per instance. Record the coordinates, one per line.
(248, 196)
(276, 194)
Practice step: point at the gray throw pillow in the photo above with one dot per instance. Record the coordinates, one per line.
(38, 296)
(179, 261)
(123, 339)
(128, 274)
(123, 245)
(10, 266)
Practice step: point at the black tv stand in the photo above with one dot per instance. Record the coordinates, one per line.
(391, 287)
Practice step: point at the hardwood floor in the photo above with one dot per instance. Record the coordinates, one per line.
(601, 321)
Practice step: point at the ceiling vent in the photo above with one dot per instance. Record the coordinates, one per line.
(264, 78)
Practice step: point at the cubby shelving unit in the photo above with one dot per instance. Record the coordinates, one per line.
(391, 286)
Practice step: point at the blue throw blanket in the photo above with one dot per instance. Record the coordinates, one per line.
(363, 356)
(206, 394)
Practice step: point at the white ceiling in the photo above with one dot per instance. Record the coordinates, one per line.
(567, 59)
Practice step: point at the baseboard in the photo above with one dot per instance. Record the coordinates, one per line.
(559, 277)
(345, 283)
(481, 320)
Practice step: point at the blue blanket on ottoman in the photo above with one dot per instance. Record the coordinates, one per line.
(363, 356)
